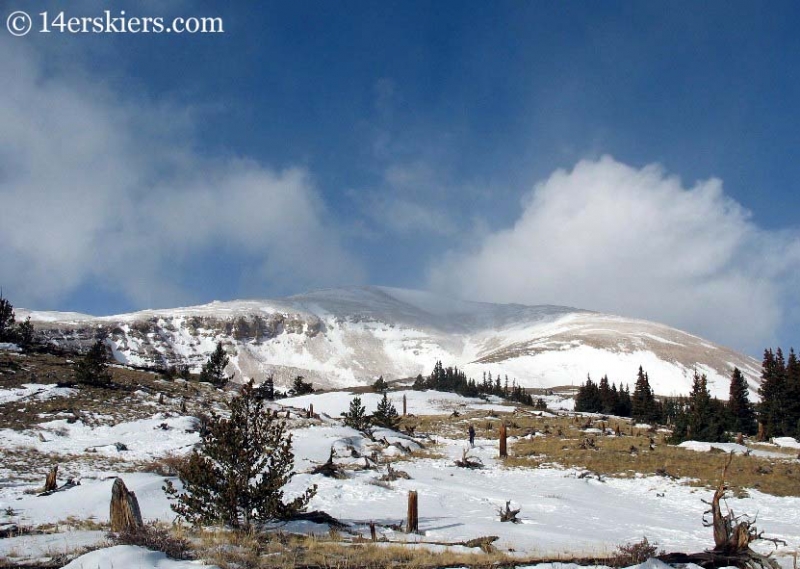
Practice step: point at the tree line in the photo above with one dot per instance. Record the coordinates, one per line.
(453, 380)
(699, 416)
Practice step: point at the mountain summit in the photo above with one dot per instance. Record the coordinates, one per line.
(350, 336)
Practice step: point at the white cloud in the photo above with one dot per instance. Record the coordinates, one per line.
(636, 242)
(97, 188)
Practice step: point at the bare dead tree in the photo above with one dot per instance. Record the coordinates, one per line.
(468, 461)
(732, 538)
(508, 515)
(329, 468)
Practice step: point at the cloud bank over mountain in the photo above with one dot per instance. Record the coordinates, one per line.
(638, 242)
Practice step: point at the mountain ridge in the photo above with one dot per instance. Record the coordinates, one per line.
(345, 337)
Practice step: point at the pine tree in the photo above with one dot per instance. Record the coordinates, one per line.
(214, 370)
(237, 475)
(624, 405)
(267, 389)
(740, 410)
(588, 397)
(699, 417)
(356, 416)
(419, 383)
(772, 392)
(793, 395)
(643, 403)
(6, 320)
(300, 387)
(380, 385)
(92, 368)
(386, 414)
(24, 333)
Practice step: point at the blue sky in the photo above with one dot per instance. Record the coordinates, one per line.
(636, 158)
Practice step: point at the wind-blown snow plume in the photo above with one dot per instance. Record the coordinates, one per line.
(636, 242)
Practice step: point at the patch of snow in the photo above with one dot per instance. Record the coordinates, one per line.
(786, 442)
(131, 556)
(37, 391)
(39, 548)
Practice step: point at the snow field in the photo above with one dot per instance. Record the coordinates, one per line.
(560, 512)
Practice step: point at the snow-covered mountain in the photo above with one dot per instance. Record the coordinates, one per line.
(345, 337)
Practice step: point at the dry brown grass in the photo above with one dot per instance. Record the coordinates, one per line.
(135, 393)
(281, 551)
(167, 465)
(628, 455)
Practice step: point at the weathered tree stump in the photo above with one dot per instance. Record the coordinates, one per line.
(50, 482)
(404, 405)
(310, 411)
(125, 513)
(372, 532)
(509, 515)
(762, 433)
(503, 441)
(412, 523)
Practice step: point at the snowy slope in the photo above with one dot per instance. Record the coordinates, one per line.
(349, 336)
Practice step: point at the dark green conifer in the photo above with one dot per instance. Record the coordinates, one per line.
(214, 370)
(356, 417)
(740, 410)
(92, 368)
(237, 475)
(386, 414)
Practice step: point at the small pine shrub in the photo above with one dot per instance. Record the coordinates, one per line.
(92, 369)
(237, 475)
(386, 414)
(356, 417)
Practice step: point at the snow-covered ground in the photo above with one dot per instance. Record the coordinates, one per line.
(417, 402)
(561, 511)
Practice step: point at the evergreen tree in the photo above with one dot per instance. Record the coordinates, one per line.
(6, 320)
(356, 416)
(92, 368)
(624, 404)
(773, 393)
(267, 389)
(237, 475)
(380, 385)
(700, 417)
(386, 414)
(608, 398)
(214, 369)
(419, 383)
(588, 397)
(793, 395)
(740, 410)
(300, 387)
(643, 403)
